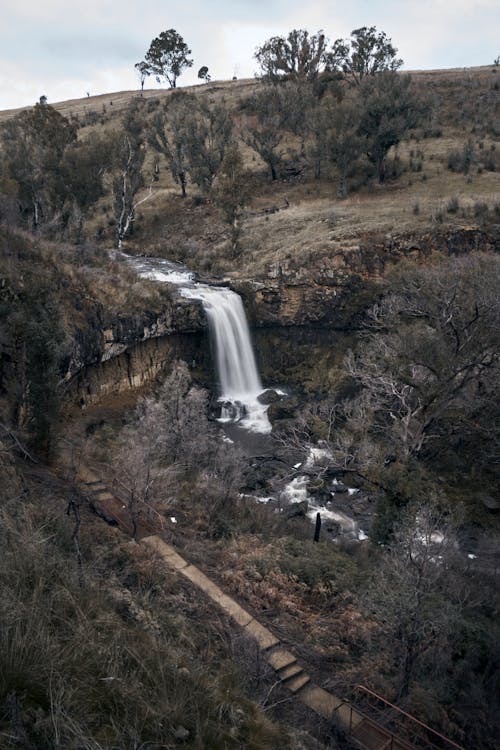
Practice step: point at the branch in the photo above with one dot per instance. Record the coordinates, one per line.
(19, 445)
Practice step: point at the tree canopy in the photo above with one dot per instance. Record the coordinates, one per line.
(367, 53)
(299, 55)
(167, 57)
(390, 109)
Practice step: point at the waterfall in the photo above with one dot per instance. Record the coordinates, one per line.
(236, 366)
(239, 380)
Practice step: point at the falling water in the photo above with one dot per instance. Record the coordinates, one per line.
(239, 380)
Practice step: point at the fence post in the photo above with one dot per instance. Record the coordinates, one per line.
(317, 528)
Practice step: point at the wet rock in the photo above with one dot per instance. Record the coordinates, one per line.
(284, 409)
(490, 503)
(298, 510)
(232, 410)
(333, 528)
(339, 488)
(269, 396)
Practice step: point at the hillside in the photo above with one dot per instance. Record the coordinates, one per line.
(427, 187)
(361, 228)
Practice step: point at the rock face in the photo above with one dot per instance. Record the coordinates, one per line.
(334, 290)
(118, 354)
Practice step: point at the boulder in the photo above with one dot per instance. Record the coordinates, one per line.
(284, 409)
(269, 396)
(490, 503)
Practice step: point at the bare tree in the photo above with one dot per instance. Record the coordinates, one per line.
(419, 593)
(435, 338)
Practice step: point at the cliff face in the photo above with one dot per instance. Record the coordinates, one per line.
(115, 354)
(333, 290)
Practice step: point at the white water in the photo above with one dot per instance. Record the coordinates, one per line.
(239, 380)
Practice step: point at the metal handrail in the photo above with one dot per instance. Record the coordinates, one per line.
(364, 689)
(391, 736)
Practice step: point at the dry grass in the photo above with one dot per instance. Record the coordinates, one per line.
(121, 655)
(317, 223)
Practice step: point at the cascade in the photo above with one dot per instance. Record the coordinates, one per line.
(239, 380)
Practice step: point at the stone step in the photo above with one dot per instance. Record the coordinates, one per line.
(291, 671)
(281, 659)
(262, 635)
(297, 683)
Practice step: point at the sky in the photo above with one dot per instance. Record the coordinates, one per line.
(65, 48)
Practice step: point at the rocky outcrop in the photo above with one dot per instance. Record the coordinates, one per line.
(106, 336)
(334, 290)
(114, 354)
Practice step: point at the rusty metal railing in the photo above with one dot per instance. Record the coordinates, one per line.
(418, 732)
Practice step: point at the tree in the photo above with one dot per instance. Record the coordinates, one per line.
(167, 135)
(204, 74)
(127, 178)
(206, 135)
(169, 440)
(418, 594)
(297, 56)
(233, 191)
(367, 53)
(390, 110)
(263, 131)
(34, 143)
(167, 57)
(37, 328)
(435, 343)
(345, 143)
(143, 71)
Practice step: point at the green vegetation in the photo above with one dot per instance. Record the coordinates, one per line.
(166, 58)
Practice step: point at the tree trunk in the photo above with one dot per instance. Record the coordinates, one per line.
(381, 170)
(182, 180)
(342, 187)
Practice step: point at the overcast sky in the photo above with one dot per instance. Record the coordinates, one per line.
(64, 48)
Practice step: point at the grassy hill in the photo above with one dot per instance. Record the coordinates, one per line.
(428, 185)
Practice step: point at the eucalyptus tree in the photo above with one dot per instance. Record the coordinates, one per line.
(34, 143)
(263, 127)
(367, 53)
(206, 134)
(128, 153)
(143, 71)
(390, 109)
(233, 190)
(167, 135)
(204, 74)
(344, 142)
(167, 57)
(299, 55)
